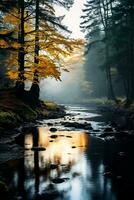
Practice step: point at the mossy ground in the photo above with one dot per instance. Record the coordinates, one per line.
(51, 105)
(14, 111)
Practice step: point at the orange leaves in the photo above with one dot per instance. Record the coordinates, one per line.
(9, 45)
(15, 45)
(5, 32)
(56, 51)
(48, 68)
(3, 44)
(54, 48)
(12, 18)
(12, 74)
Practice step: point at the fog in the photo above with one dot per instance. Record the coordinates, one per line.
(69, 89)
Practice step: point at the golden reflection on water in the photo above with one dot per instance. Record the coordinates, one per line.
(62, 147)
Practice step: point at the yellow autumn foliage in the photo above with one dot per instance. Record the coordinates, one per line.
(3, 44)
(56, 49)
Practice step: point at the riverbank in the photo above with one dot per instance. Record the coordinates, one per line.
(119, 116)
(14, 112)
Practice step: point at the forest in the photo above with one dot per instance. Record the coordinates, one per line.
(66, 99)
(109, 30)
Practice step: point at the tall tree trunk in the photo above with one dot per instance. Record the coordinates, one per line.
(130, 62)
(35, 90)
(21, 53)
(110, 90)
(104, 15)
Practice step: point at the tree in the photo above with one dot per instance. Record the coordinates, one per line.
(44, 12)
(40, 44)
(115, 18)
(123, 41)
(96, 18)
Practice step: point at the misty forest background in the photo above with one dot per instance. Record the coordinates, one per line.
(35, 45)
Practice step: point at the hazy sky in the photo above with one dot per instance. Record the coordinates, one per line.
(72, 18)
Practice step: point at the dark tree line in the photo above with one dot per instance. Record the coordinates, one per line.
(110, 24)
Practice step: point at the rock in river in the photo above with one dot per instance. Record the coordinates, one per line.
(73, 147)
(53, 129)
(108, 129)
(38, 149)
(53, 166)
(59, 180)
(50, 124)
(53, 136)
(77, 125)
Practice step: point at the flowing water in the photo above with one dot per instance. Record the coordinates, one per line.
(64, 165)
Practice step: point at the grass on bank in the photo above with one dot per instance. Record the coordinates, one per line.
(50, 105)
(14, 111)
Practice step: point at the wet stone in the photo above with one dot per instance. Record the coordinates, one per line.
(27, 149)
(50, 124)
(53, 136)
(96, 130)
(108, 129)
(77, 125)
(53, 166)
(38, 149)
(88, 127)
(53, 129)
(75, 174)
(73, 147)
(58, 180)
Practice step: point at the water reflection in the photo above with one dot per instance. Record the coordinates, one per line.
(65, 165)
(62, 148)
(59, 156)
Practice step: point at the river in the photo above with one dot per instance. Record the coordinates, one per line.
(67, 164)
